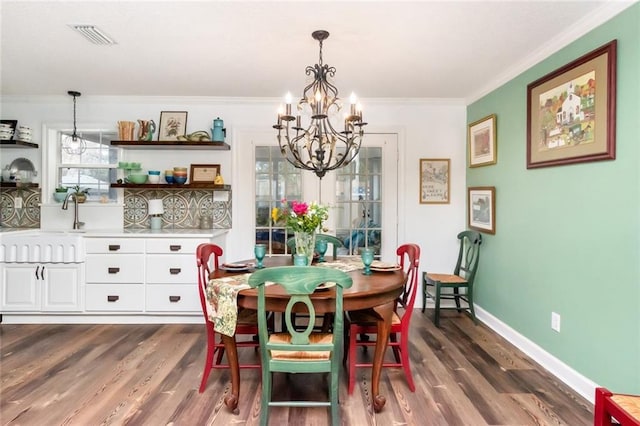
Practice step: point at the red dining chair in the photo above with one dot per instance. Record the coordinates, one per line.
(625, 409)
(361, 324)
(206, 256)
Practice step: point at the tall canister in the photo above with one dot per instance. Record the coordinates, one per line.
(218, 132)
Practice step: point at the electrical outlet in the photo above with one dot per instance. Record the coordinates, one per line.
(555, 321)
(18, 202)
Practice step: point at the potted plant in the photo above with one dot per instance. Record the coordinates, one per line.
(60, 193)
(80, 193)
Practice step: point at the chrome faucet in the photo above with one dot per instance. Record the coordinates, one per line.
(65, 205)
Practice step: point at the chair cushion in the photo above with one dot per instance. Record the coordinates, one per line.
(629, 403)
(369, 317)
(446, 278)
(326, 338)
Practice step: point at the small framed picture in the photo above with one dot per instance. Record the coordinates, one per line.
(172, 125)
(482, 208)
(204, 173)
(434, 180)
(482, 142)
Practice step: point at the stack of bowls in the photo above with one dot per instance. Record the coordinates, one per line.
(168, 176)
(6, 132)
(154, 176)
(24, 133)
(179, 175)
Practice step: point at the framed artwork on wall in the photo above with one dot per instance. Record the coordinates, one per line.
(204, 172)
(482, 142)
(571, 112)
(172, 125)
(434, 180)
(482, 208)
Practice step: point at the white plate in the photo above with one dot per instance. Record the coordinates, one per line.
(325, 286)
(235, 267)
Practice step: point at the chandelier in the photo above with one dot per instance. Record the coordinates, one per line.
(73, 144)
(320, 146)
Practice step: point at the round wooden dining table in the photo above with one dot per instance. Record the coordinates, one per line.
(377, 291)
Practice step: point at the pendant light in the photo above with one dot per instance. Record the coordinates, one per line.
(73, 144)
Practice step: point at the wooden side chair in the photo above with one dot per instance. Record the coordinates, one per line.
(207, 256)
(462, 278)
(625, 409)
(361, 324)
(303, 351)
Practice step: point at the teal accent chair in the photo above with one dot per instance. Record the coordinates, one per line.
(364, 323)
(335, 242)
(304, 351)
(461, 281)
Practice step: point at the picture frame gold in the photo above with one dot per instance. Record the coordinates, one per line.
(481, 201)
(204, 173)
(434, 180)
(571, 112)
(482, 140)
(172, 125)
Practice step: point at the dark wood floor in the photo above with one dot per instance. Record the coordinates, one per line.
(149, 375)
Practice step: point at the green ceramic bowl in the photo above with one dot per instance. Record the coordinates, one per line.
(137, 178)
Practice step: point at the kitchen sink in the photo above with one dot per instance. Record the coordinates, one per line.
(65, 246)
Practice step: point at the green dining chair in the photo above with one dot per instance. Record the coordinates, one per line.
(304, 351)
(461, 281)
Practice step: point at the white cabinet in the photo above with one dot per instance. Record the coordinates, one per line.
(115, 274)
(45, 287)
(171, 275)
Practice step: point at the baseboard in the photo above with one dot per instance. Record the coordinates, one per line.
(576, 381)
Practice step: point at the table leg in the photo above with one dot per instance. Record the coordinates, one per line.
(231, 401)
(384, 326)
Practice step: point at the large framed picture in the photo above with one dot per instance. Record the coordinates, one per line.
(482, 208)
(434, 180)
(482, 142)
(172, 125)
(571, 112)
(204, 173)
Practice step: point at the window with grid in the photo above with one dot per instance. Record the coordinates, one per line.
(276, 180)
(94, 169)
(359, 201)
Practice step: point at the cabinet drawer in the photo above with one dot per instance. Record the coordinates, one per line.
(114, 245)
(167, 268)
(174, 245)
(114, 297)
(114, 268)
(172, 298)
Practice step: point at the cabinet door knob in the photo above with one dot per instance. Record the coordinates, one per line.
(175, 247)
(112, 298)
(42, 273)
(174, 271)
(114, 270)
(114, 247)
(174, 299)
(37, 270)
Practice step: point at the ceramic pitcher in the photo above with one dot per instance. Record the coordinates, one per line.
(146, 129)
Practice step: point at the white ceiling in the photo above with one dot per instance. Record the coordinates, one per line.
(380, 49)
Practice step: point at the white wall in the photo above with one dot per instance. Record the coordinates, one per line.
(426, 129)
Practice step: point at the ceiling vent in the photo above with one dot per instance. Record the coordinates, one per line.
(93, 34)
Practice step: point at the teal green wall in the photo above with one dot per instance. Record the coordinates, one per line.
(568, 237)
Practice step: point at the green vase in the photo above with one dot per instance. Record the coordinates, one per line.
(305, 244)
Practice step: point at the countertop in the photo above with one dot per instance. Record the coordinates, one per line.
(144, 232)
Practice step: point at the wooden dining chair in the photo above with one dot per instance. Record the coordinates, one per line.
(361, 325)
(624, 408)
(304, 351)
(207, 260)
(461, 281)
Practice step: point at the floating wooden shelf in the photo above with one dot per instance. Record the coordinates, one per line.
(18, 185)
(171, 186)
(221, 146)
(17, 144)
